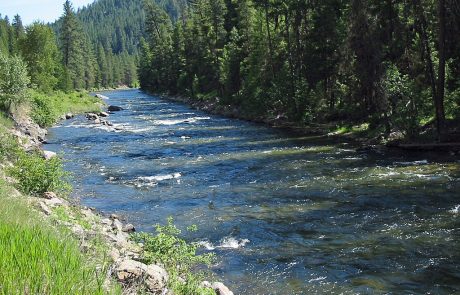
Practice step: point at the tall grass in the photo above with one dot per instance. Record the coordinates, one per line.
(48, 108)
(37, 259)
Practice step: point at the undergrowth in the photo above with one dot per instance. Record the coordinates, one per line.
(35, 175)
(180, 258)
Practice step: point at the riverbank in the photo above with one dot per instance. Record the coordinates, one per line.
(105, 258)
(359, 135)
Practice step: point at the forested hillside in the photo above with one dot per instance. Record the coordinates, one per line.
(114, 29)
(391, 64)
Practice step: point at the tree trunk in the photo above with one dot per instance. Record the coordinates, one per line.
(439, 100)
(270, 45)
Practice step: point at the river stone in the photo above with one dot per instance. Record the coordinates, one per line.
(156, 278)
(129, 228)
(115, 109)
(103, 114)
(97, 121)
(69, 116)
(117, 225)
(48, 155)
(114, 216)
(130, 270)
(49, 195)
(114, 254)
(152, 276)
(106, 221)
(45, 209)
(78, 231)
(221, 289)
(92, 116)
(54, 202)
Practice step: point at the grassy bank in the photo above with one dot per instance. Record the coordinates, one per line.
(37, 257)
(47, 109)
(67, 249)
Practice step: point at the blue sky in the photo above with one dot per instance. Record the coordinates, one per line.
(31, 10)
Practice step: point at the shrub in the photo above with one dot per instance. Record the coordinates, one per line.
(37, 175)
(13, 81)
(178, 256)
(9, 147)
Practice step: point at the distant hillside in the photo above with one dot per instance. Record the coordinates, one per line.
(114, 29)
(115, 24)
(119, 24)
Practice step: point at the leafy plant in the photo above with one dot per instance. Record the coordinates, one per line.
(36, 175)
(13, 81)
(179, 257)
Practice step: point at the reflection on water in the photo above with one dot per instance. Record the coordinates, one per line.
(286, 214)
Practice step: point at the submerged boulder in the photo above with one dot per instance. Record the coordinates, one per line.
(115, 109)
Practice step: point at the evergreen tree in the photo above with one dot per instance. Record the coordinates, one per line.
(40, 52)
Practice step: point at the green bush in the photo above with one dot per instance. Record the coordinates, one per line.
(13, 81)
(36, 175)
(9, 147)
(178, 256)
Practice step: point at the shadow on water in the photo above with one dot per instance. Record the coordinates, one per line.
(286, 214)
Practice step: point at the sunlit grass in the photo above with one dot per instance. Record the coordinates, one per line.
(35, 258)
(48, 108)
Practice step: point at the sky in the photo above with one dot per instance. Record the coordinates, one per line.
(31, 10)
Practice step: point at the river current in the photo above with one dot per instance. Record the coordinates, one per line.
(285, 214)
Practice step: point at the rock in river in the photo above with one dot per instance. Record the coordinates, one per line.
(48, 155)
(115, 109)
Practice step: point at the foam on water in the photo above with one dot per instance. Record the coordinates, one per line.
(179, 121)
(455, 210)
(225, 243)
(421, 162)
(151, 181)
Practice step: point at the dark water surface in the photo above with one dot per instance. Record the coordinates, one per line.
(285, 214)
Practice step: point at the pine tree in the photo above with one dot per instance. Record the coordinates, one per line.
(40, 52)
(72, 47)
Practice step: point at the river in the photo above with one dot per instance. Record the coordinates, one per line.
(285, 214)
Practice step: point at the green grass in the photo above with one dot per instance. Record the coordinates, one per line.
(5, 121)
(48, 108)
(35, 258)
(343, 129)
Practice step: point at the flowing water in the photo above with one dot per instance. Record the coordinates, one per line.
(285, 214)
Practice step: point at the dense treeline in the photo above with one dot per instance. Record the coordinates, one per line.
(108, 57)
(65, 58)
(114, 29)
(394, 64)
